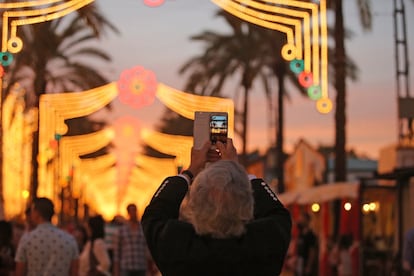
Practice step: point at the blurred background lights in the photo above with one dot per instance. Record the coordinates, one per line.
(315, 207)
(370, 207)
(347, 206)
(25, 194)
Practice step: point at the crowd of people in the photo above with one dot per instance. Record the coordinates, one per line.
(211, 219)
(94, 248)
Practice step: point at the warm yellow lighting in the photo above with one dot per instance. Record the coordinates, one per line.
(295, 19)
(324, 105)
(179, 146)
(56, 108)
(347, 206)
(365, 208)
(16, 149)
(96, 165)
(370, 207)
(315, 207)
(25, 194)
(32, 12)
(373, 206)
(186, 104)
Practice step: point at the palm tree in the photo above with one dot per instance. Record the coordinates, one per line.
(251, 51)
(57, 57)
(227, 55)
(340, 73)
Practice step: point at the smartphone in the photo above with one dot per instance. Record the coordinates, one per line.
(211, 126)
(218, 128)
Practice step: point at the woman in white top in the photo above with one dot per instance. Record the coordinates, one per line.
(96, 231)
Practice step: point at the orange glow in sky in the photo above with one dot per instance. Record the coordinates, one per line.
(166, 46)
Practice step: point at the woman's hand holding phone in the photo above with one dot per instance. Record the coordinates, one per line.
(227, 151)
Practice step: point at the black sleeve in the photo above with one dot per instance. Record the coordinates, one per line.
(164, 206)
(265, 200)
(267, 205)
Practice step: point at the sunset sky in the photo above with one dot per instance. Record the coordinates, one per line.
(158, 39)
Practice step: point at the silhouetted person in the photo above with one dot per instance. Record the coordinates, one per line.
(408, 251)
(230, 225)
(95, 253)
(130, 248)
(307, 248)
(46, 250)
(7, 250)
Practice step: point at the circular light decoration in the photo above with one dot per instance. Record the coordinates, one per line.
(305, 79)
(314, 92)
(54, 143)
(297, 66)
(15, 45)
(58, 136)
(137, 87)
(6, 58)
(289, 52)
(324, 105)
(153, 3)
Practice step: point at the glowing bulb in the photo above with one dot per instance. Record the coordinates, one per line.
(25, 194)
(315, 207)
(365, 207)
(372, 206)
(347, 206)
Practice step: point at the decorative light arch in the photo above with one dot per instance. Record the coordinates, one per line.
(305, 26)
(307, 59)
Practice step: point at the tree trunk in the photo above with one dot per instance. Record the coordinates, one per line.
(35, 166)
(40, 88)
(245, 122)
(2, 214)
(280, 153)
(340, 111)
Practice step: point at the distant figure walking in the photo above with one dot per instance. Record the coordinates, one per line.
(95, 256)
(307, 248)
(7, 249)
(408, 252)
(130, 248)
(46, 250)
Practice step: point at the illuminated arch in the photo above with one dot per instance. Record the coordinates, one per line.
(46, 10)
(303, 23)
(305, 26)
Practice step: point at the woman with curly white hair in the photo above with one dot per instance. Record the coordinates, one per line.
(227, 225)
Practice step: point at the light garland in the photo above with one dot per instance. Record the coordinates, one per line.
(288, 16)
(17, 144)
(59, 155)
(56, 108)
(186, 104)
(176, 145)
(32, 16)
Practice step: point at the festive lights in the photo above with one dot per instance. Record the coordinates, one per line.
(137, 87)
(32, 12)
(16, 148)
(186, 104)
(176, 145)
(153, 3)
(56, 108)
(21, 123)
(295, 19)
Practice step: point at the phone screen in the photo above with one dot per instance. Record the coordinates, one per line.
(218, 128)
